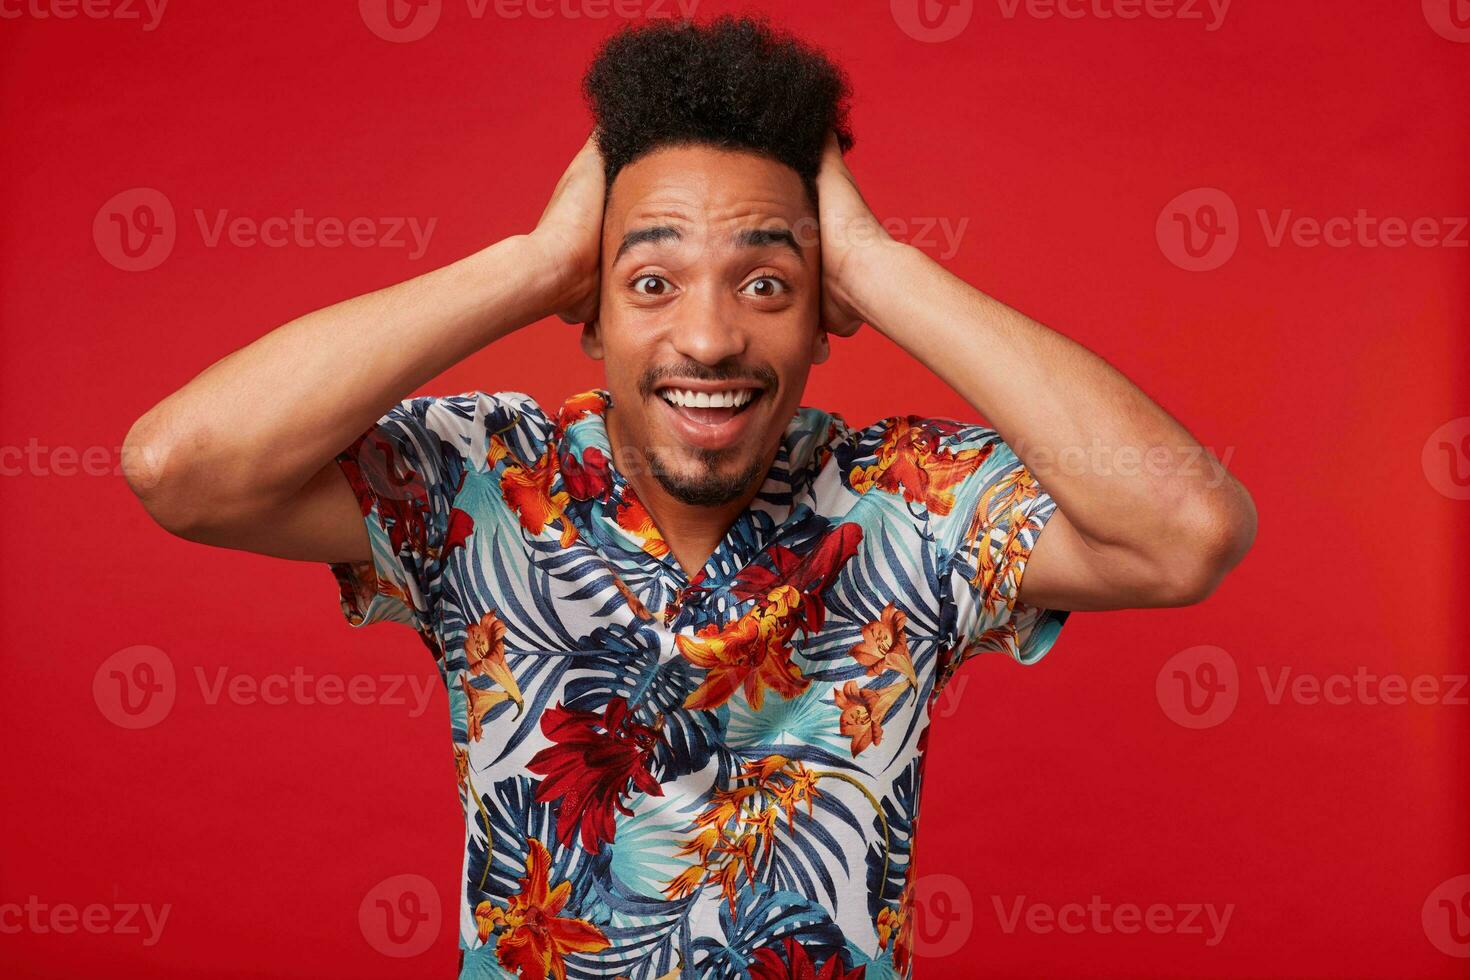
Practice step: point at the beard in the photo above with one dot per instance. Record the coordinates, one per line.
(708, 487)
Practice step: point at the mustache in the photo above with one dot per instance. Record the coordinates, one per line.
(762, 377)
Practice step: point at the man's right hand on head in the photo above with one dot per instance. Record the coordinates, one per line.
(569, 235)
(246, 455)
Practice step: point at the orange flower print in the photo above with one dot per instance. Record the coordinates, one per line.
(735, 834)
(576, 408)
(484, 650)
(798, 786)
(897, 925)
(634, 518)
(533, 938)
(479, 701)
(1008, 559)
(1007, 493)
(637, 607)
(910, 461)
(863, 710)
(885, 646)
(527, 491)
(462, 766)
(749, 652)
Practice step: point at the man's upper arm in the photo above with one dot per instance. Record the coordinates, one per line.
(1066, 571)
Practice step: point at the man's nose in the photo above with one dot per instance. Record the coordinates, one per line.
(706, 326)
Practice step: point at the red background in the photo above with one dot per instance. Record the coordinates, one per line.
(1323, 371)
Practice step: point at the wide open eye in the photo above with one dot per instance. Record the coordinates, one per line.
(650, 285)
(765, 287)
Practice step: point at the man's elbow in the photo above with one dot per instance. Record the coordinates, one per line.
(1208, 542)
(154, 468)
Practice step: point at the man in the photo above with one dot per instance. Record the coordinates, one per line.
(691, 629)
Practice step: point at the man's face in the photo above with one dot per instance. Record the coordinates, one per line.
(711, 287)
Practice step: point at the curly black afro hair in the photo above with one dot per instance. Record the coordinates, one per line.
(732, 82)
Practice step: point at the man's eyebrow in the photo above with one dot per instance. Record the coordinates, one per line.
(747, 238)
(765, 237)
(641, 236)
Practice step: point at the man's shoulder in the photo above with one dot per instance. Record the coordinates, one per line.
(468, 420)
(474, 407)
(907, 439)
(471, 404)
(920, 432)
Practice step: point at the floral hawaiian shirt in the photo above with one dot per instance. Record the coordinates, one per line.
(666, 776)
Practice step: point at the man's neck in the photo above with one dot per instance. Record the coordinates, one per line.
(691, 531)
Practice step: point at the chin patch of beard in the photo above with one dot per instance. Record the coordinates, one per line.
(710, 488)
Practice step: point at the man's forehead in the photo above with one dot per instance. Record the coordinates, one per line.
(705, 188)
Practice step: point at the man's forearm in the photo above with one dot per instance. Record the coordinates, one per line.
(1123, 471)
(262, 421)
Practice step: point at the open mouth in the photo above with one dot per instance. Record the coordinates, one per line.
(711, 408)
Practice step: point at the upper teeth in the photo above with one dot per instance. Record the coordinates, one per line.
(707, 399)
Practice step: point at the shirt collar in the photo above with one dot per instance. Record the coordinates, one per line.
(604, 504)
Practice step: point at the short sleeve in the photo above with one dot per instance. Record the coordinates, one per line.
(985, 514)
(406, 471)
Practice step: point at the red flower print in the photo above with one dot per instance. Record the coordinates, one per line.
(768, 965)
(400, 512)
(809, 575)
(595, 761)
(587, 478)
